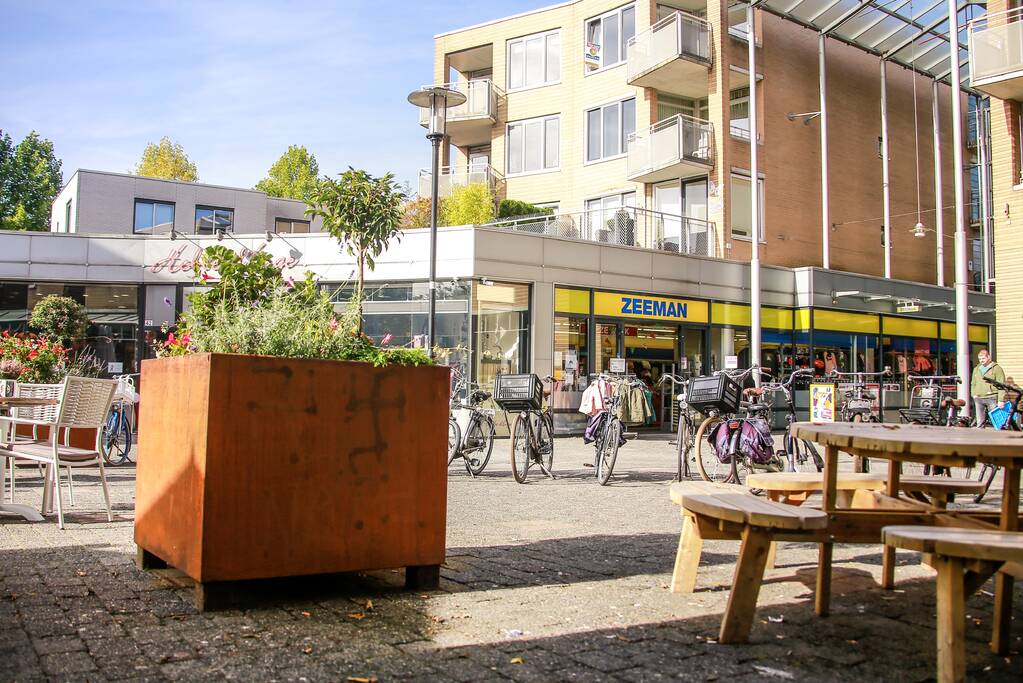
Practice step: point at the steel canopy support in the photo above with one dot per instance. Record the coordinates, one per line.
(885, 188)
(825, 187)
(939, 200)
(754, 265)
(962, 295)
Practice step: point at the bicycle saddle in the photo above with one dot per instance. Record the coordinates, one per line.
(957, 402)
(479, 396)
(753, 391)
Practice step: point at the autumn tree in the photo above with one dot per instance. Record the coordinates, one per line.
(293, 176)
(166, 160)
(30, 179)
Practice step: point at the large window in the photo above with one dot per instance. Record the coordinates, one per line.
(607, 37)
(741, 205)
(608, 128)
(500, 312)
(533, 145)
(738, 106)
(534, 60)
(671, 105)
(291, 225)
(209, 219)
(153, 217)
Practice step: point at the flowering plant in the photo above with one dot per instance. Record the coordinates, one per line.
(41, 361)
(60, 318)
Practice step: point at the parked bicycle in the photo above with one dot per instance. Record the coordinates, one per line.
(611, 434)
(119, 428)
(988, 471)
(800, 455)
(858, 404)
(685, 436)
(931, 404)
(474, 446)
(532, 432)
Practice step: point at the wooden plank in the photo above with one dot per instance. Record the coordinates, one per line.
(746, 509)
(998, 546)
(813, 481)
(822, 596)
(986, 444)
(920, 539)
(742, 599)
(715, 507)
(687, 559)
(951, 620)
(888, 552)
(1008, 521)
(680, 490)
(937, 484)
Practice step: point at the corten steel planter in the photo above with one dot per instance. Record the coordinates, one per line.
(253, 467)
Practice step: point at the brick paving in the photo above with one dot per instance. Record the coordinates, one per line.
(555, 580)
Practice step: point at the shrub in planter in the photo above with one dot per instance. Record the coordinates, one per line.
(60, 319)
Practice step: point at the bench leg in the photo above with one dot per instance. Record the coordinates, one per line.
(951, 620)
(772, 555)
(687, 559)
(888, 551)
(742, 598)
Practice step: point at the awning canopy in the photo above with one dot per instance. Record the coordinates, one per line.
(911, 33)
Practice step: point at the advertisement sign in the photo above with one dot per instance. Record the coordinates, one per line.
(620, 305)
(822, 402)
(731, 362)
(114, 368)
(591, 57)
(618, 365)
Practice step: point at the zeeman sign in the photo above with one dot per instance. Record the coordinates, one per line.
(618, 305)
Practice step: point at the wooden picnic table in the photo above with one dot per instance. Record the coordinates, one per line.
(7, 403)
(898, 443)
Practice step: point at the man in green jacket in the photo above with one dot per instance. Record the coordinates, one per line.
(985, 396)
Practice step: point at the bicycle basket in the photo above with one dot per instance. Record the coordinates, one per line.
(518, 392)
(719, 392)
(999, 416)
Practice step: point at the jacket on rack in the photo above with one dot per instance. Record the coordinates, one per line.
(633, 408)
(592, 401)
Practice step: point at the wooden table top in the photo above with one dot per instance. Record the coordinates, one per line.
(26, 402)
(904, 440)
(813, 481)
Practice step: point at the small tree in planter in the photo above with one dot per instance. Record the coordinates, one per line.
(60, 319)
(363, 213)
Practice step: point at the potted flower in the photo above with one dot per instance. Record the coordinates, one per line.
(277, 440)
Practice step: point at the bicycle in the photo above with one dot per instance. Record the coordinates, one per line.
(800, 455)
(476, 445)
(532, 434)
(610, 435)
(119, 428)
(723, 464)
(685, 437)
(859, 403)
(930, 404)
(1011, 423)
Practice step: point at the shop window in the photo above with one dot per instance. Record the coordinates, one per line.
(571, 361)
(500, 312)
(907, 356)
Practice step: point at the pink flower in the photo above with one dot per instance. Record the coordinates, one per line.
(334, 324)
(387, 338)
(290, 282)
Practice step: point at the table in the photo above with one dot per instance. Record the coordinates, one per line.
(6, 403)
(898, 443)
(795, 487)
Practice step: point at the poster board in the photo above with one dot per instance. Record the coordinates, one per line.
(822, 403)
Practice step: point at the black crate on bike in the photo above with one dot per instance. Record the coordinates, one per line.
(715, 392)
(518, 392)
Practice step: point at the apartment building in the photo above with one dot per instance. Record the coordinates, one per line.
(996, 68)
(631, 119)
(121, 204)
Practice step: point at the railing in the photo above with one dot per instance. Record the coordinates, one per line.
(480, 101)
(737, 25)
(456, 176)
(625, 226)
(996, 44)
(671, 141)
(677, 35)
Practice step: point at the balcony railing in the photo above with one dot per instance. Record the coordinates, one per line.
(480, 101)
(671, 42)
(625, 226)
(455, 176)
(996, 53)
(680, 146)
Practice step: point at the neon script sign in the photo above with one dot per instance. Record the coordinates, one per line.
(177, 262)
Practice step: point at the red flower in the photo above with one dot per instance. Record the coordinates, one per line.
(33, 354)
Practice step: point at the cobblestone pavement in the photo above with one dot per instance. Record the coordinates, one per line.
(555, 580)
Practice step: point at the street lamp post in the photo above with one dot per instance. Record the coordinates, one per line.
(436, 101)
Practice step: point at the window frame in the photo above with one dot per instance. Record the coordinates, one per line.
(278, 219)
(67, 215)
(732, 103)
(542, 120)
(624, 137)
(623, 42)
(214, 209)
(152, 203)
(543, 35)
(761, 186)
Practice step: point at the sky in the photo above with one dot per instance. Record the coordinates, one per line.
(234, 83)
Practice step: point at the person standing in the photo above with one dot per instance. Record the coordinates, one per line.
(985, 396)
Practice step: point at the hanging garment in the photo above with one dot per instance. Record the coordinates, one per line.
(632, 404)
(594, 397)
(593, 426)
(651, 417)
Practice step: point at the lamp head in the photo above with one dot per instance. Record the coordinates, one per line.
(269, 235)
(437, 100)
(919, 230)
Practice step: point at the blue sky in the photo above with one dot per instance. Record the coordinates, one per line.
(234, 82)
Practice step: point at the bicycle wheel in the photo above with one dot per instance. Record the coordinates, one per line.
(684, 445)
(545, 441)
(711, 469)
(454, 439)
(521, 450)
(116, 441)
(801, 456)
(479, 442)
(608, 450)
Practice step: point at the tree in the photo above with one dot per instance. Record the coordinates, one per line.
(30, 179)
(166, 160)
(363, 213)
(471, 204)
(416, 213)
(293, 176)
(60, 319)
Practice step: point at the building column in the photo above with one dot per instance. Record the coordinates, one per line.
(754, 128)
(885, 188)
(985, 209)
(825, 187)
(939, 195)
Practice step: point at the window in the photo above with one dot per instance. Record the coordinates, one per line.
(533, 145)
(612, 219)
(534, 60)
(741, 207)
(500, 316)
(607, 37)
(608, 129)
(67, 216)
(739, 113)
(670, 105)
(291, 225)
(209, 219)
(153, 216)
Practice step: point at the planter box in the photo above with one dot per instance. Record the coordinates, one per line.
(252, 467)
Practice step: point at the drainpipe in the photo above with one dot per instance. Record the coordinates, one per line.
(886, 190)
(939, 195)
(755, 197)
(825, 206)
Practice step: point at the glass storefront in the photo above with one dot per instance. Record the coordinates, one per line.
(500, 312)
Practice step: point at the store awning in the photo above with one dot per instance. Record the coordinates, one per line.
(911, 33)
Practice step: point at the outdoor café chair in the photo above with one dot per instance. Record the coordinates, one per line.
(35, 415)
(84, 404)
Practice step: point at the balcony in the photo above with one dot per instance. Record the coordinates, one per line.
(625, 226)
(455, 176)
(996, 54)
(470, 123)
(677, 147)
(674, 56)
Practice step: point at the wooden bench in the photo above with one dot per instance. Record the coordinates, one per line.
(964, 560)
(755, 521)
(938, 490)
(690, 542)
(795, 487)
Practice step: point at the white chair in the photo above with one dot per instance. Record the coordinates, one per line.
(84, 404)
(34, 415)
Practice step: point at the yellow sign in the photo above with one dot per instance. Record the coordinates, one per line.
(822, 402)
(619, 305)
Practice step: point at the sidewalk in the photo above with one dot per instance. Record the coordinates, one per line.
(554, 580)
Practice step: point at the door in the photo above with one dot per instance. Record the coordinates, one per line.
(697, 236)
(479, 164)
(668, 202)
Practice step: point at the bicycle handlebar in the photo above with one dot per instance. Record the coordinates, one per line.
(887, 372)
(930, 379)
(1004, 386)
